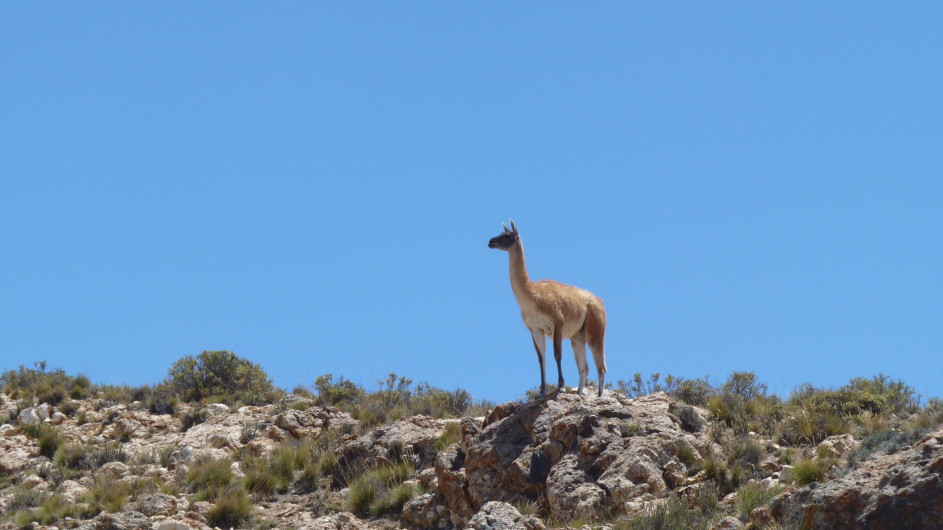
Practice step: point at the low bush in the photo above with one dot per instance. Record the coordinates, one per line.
(232, 509)
(752, 495)
(220, 374)
(209, 479)
(807, 471)
(107, 495)
(380, 491)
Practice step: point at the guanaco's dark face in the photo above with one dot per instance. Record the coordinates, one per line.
(506, 240)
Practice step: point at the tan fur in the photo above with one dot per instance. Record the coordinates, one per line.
(558, 311)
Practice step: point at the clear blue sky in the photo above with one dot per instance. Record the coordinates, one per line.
(748, 186)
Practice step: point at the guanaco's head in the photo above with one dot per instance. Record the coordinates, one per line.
(506, 240)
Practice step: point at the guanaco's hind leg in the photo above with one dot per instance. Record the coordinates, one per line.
(596, 338)
(579, 352)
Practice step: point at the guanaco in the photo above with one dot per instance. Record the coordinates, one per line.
(556, 310)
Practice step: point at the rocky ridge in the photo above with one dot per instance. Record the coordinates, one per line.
(571, 457)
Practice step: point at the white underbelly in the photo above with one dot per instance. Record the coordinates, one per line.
(545, 325)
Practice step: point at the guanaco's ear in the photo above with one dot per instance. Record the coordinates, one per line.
(506, 231)
(514, 228)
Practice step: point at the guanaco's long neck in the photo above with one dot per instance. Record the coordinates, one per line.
(520, 281)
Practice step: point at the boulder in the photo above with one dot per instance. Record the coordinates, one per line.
(58, 418)
(215, 409)
(313, 421)
(502, 516)
(425, 512)
(29, 417)
(728, 523)
(838, 447)
(157, 504)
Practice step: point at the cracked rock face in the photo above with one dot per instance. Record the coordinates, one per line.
(900, 490)
(582, 453)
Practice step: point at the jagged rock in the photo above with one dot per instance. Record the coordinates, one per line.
(180, 457)
(157, 504)
(450, 474)
(583, 453)
(901, 490)
(425, 512)
(113, 470)
(502, 516)
(838, 446)
(728, 523)
(15, 452)
(125, 427)
(72, 491)
(221, 441)
(413, 438)
(313, 421)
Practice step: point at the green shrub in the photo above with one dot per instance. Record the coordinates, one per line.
(53, 509)
(210, 478)
(686, 454)
(452, 434)
(811, 425)
(107, 495)
(752, 495)
(232, 509)
(378, 492)
(223, 374)
(25, 498)
(331, 392)
(70, 456)
(931, 415)
(49, 441)
(807, 471)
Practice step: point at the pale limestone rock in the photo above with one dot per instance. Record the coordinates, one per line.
(157, 504)
(57, 418)
(29, 417)
(114, 470)
(215, 409)
(503, 516)
(31, 481)
(838, 446)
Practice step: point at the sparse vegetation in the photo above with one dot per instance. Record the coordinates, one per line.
(743, 418)
(396, 397)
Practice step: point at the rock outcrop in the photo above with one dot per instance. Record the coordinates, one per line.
(900, 490)
(581, 454)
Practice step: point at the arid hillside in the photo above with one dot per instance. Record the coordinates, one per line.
(216, 446)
